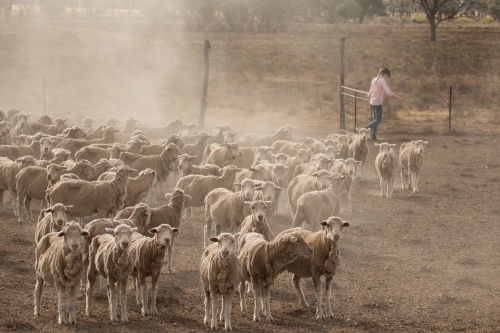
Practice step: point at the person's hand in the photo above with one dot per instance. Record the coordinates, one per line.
(401, 99)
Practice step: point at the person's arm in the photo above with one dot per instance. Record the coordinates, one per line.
(389, 92)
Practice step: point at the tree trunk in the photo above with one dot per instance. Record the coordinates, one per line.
(361, 19)
(433, 26)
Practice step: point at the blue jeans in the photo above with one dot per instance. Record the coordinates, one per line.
(377, 119)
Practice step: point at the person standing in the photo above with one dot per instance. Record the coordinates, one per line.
(376, 97)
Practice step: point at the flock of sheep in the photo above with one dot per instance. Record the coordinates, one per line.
(101, 176)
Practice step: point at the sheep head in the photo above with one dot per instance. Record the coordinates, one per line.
(227, 244)
(72, 233)
(164, 234)
(332, 227)
(259, 210)
(123, 235)
(59, 215)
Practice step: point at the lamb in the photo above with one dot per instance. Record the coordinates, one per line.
(60, 155)
(33, 128)
(302, 156)
(50, 220)
(173, 127)
(227, 138)
(262, 261)
(220, 272)
(188, 168)
(45, 120)
(257, 220)
(14, 152)
(224, 156)
(263, 153)
(386, 164)
(170, 212)
(315, 206)
(218, 134)
(256, 140)
(198, 147)
(276, 173)
(59, 263)
(198, 186)
(74, 145)
(46, 149)
(148, 254)
(101, 197)
(346, 167)
(109, 256)
(342, 144)
(281, 158)
(324, 261)
(137, 188)
(358, 148)
(270, 193)
(411, 157)
(257, 172)
(225, 208)
(8, 172)
(291, 148)
(306, 183)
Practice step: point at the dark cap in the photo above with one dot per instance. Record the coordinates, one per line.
(385, 71)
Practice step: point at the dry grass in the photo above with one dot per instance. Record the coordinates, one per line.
(130, 67)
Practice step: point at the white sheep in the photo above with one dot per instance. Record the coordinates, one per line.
(358, 147)
(138, 187)
(387, 165)
(225, 155)
(50, 220)
(225, 208)
(33, 128)
(220, 273)
(257, 140)
(347, 168)
(323, 262)
(306, 183)
(188, 168)
(109, 256)
(197, 148)
(411, 157)
(291, 148)
(218, 134)
(148, 254)
(268, 192)
(59, 263)
(257, 220)
(262, 261)
(301, 156)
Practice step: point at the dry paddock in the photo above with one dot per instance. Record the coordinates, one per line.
(424, 262)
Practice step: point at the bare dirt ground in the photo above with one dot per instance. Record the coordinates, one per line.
(421, 262)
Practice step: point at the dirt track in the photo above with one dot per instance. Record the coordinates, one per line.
(413, 263)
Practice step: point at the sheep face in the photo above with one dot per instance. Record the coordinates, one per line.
(332, 227)
(148, 173)
(87, 122)
(21, 140)
(185, 162)
(323, 179)
(45, 146)
(308, 143)
(279, 171)
(285, 134)
(234, 149)
(263, 153)
(328, 143)
(260, 172)
(322, 163)
(191, 129)
(331, 153)
(164, 234)
(364, 133)
(114, 151)
(420, 146)
(72, 233)
(60, 125)
(22, 120)
(87, 170)
(247, 186)
(269, 191)
(280, 158)
(302, 156)
(297, 245)
(177, 140)
(54, 172)
(259, 210)
(336, 180)
(385, 149)
(172, 153)
(229, 136)
(350, 166)
(27, 161)
(123, 235)
(59, 217)
(4, 127)
(227, 244)
(343, 141)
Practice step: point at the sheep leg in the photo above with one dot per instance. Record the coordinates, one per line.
(207, 304)
(414, 178)
(13, 202)
(170, 251)
(38, 294)
(298, 218)
(218, 229)
(123, 299)
(208, 226)
(89, 289)
(45, 204)
(215, 308)
(328, 296)
(72, 303)
(154, 290)
(142, 292)
(249, 287)
(227, 313)
(349, 201)
(390, 186)
(317, 285)
(267, 297)
(20, 202)
(1, 199)
(243, 302)
(402, 178)
(61, 303)
(222, 315)
(363, 164)
(300, 292)
(112, 300)
(257, 294)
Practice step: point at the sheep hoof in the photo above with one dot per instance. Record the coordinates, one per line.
(144, 312)
(153, 312)
(124, 320)
(329, 314)
(269, 319)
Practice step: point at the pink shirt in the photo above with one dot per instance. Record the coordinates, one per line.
(377, 88)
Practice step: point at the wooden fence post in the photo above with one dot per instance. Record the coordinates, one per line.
(449, 113)
(201, 121)
(342, 106)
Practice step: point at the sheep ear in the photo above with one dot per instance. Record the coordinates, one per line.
(168, 196)
(237, 235)
(68, 206)
(175, 230)
(268, 202)
(323, 223)
(292, 239)
(110, 231)
(85, 233)
(237, 184)
(393, 145)
(187, 197)
(60, 234)
(153, 231)
(377, 144)
(214, 239)
(345, 224)
(251, 169)
(315, 174)
(135, 229)
(426, 143)
(248, 203)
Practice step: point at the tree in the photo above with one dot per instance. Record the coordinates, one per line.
(350, 9)
(7, 9)
(494, 9)
(438, 11)
(51, 7)
(371, 8)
